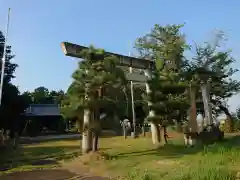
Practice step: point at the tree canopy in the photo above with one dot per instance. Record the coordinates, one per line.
(97, 83)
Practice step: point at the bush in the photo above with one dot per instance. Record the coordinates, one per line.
(237, 125)
(211, 134)
(226, 126)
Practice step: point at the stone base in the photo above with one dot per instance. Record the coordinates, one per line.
(134, 135)
(190, 139)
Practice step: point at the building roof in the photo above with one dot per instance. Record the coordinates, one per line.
(43, 110)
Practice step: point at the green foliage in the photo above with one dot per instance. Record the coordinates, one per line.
(10, 67)
(217, 64)
(213, 63)
(165, 45)
(98, 84)
(12, 103)
(237, 125)
(41, 95)
(159, 64)
(166, 98)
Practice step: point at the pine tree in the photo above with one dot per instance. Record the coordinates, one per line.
(95, 90)
(165, 45)
(212, 62)
(166, 98)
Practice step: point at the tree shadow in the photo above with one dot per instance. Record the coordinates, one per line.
(172, 150)
(39, 174)
(36, 156)
(53, 174)
(33, 140)
(36, 140)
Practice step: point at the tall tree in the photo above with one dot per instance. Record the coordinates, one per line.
(56, 96)
(211, 61)
(166, 99)
(40, 95)
(95, 90)
(10, 67)
(165, 45)
(11, 106)
(27, 97)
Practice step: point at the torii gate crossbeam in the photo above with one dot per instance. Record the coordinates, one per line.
(74, 50)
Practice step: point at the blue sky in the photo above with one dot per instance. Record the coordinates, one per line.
(38, 27)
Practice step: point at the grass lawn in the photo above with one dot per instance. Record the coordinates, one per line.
(38, 155)
(139, 159)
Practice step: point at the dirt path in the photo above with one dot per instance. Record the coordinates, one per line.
(75, 166)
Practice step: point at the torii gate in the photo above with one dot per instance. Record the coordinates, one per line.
(74, 50)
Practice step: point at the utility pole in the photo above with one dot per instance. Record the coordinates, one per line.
(4, 56)
(133, 106)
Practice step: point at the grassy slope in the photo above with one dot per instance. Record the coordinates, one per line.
(138, 158)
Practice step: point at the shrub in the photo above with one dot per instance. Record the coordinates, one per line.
(211, 134)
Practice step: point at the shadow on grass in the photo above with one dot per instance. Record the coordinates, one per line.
(39, 174)
(68, 137)
(36, 140)
(179, 150)
(55, 174)
(35, 156)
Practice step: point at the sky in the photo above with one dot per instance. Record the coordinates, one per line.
(38, 27)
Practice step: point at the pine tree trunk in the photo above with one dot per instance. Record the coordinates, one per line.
(206, 103)
(154, 126)
(202, 123)
(193, 126)
(2, 138)
(96, 130)
(16, 140)
(86, 134)
(165, 134)
(143, 131)
(95, 141)
(155, 133)
(124, 132)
